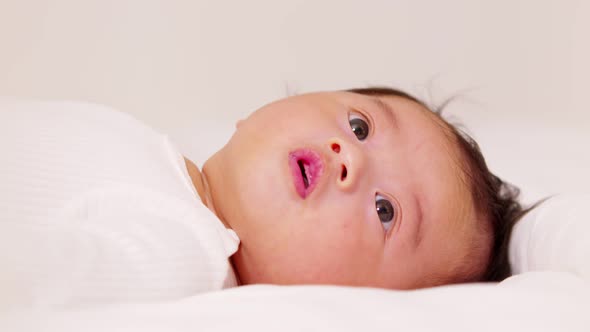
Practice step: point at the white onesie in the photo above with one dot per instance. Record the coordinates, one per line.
(96, 207)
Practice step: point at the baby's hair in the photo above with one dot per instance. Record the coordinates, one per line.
(494, 199)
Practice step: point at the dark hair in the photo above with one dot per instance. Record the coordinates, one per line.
(494, 199)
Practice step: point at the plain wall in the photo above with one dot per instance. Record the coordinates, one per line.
(520, 68)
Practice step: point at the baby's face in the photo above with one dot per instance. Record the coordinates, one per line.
(343, 188)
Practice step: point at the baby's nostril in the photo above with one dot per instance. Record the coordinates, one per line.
(344, 172)
(335, 147)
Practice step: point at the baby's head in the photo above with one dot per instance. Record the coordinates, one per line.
(366, 187)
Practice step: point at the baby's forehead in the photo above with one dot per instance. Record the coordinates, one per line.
(440, 145)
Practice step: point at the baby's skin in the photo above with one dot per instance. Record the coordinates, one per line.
(343, 188)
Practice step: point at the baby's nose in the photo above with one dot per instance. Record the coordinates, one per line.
(348, 162)
(336, 148)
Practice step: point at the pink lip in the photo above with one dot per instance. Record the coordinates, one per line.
(313, 166)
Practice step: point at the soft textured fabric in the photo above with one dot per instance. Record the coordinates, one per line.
(555, 236)
(534, 301)
(95, 207)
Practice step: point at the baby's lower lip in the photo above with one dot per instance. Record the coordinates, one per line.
(313, 166)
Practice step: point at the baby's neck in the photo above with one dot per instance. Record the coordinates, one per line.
(202, 186)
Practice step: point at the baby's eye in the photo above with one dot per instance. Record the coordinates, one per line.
(359, 126)
(385, 211)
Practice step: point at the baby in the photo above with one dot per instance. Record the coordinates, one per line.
(365, 187)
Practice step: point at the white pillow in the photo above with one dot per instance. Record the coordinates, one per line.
(555, 236)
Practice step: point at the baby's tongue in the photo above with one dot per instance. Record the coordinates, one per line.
(307, 174)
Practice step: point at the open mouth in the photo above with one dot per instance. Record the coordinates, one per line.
(306, 168)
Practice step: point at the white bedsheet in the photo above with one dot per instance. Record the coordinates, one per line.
(534, 301)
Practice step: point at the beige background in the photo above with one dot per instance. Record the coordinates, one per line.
(185, 67)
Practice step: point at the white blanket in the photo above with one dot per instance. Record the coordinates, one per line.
(535, 301)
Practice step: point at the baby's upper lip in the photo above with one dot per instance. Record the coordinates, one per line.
(306, 169)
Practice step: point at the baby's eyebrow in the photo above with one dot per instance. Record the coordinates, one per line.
(419, 220)
(386, 110)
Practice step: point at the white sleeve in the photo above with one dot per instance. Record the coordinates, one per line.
(119, 243)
